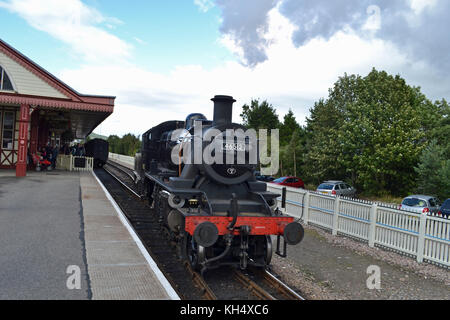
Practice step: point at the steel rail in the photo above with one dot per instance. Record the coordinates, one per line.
(122, 168)
(199, 281)
(122, 183)
(252, 286)
(290, 294)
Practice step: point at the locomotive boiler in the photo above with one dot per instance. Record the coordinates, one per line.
(216, 211)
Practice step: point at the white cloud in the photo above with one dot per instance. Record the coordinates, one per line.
(419, 5)
(291, 77)
(76, 24)
(204, 5)
(139, 40)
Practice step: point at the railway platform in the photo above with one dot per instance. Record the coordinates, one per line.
(63, 237)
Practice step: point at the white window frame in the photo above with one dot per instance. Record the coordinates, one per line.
(2, 73)
(3, 129)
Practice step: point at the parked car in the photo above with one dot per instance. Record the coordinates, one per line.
(263, 178)
(445, 209)
(336, 187)
(421, 204)
(293, 182)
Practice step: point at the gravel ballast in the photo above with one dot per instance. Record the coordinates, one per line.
(327, 267)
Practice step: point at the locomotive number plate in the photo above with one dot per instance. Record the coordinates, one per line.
(234, 147)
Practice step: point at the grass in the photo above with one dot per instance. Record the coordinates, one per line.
(382, 198)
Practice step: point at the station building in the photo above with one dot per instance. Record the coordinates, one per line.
(36, 108)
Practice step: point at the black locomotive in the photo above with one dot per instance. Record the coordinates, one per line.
(218, 213)
(99, 150)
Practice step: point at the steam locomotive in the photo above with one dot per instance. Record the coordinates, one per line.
(217, 212)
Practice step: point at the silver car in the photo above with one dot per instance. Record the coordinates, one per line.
(334, 187)
(420, 204)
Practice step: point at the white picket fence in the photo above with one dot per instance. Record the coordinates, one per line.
(67, 162)
(425, 237)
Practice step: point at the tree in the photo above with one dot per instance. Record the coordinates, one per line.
(128, 145)
(444, 173)
(291, 155)
(288, 127)
(433, 172)
(382, 136)
(321, 158)
(440, 129)
(114, 142)
(260, 116)
(370, 131)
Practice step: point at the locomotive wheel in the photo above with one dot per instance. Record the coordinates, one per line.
(262, 253)
(193, 253)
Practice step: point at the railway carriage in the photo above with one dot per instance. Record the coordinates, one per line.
(99, 150)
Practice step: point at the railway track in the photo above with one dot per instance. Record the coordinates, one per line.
(252, 284)
(147, 227)
(280, 290)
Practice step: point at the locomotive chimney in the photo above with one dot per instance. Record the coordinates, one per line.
(223, 109)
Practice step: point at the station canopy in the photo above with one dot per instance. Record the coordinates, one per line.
(23, 82)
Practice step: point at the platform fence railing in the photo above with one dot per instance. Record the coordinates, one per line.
(427, 238)
(75, 163)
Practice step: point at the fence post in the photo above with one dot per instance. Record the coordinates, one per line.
(373, 224)
(306, 208)
(336, 215)
(421, 239)
(70, 163)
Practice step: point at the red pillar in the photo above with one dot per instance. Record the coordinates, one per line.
(34, 131)
(21, 166)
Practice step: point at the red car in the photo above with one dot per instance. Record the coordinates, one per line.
(293, 182)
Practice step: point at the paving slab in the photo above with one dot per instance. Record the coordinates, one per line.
(117, 267)
(120, 282)
(41, 235)
(57, 225)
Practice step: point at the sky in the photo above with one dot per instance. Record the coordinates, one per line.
(166, 59)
